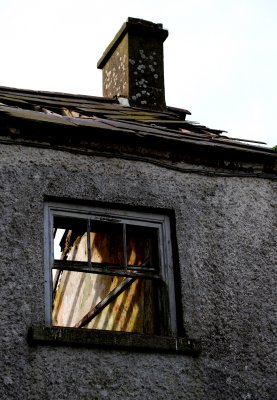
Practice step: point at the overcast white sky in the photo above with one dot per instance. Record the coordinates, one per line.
(220, 56)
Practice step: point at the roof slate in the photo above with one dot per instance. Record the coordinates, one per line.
(113, 114)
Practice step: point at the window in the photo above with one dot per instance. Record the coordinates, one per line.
(109, 269)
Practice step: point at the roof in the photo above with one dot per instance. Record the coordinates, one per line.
(112, 114)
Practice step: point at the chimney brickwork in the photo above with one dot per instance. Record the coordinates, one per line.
(133, 64)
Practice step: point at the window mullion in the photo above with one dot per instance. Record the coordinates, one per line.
(88, 243)
(125, 246)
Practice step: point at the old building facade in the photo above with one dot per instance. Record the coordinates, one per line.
(138, 249)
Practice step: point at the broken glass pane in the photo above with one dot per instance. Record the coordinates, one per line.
(142, 246)
(106, 241)
(70, 239)
(79, 294)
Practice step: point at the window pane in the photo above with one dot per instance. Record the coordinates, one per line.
(133, 310)
(70, 239)
(106, 241)
(142, 246)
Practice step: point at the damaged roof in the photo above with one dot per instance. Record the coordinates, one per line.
(113, 114)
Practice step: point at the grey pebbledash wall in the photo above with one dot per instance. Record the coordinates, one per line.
(226, 237)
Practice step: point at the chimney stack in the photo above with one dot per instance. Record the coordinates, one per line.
(133, 64)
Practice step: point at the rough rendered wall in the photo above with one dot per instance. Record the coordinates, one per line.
(226, 233)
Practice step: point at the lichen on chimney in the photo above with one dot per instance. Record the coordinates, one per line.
(133, 64)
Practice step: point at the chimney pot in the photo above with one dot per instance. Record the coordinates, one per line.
(133, 64)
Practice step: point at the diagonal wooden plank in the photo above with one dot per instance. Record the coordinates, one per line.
(105, 302)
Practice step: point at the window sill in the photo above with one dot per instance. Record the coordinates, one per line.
(111, 339)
